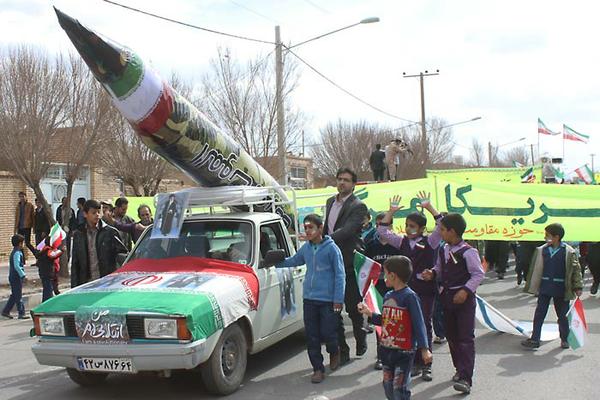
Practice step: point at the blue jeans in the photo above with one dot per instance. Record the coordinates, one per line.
(320, 323)
(16, 296)
(561, 306)
(47, 289)
(396, 373)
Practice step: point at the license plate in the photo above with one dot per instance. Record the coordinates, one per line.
(106, 364)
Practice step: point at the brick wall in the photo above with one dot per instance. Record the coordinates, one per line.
(10, 185)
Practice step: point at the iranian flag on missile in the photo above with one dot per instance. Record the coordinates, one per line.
(367, 271)
(57, 235)
(570, 134)
(577, 325)
(586, 175)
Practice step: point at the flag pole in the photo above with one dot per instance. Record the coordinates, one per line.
(563, 140)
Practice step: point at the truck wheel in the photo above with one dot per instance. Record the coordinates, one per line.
(224, 371)
(86, 378)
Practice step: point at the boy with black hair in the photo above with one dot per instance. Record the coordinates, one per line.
(459, 270)
(420, 249)
(554, 274)
(380, 250)
(403, 329)
(323, 291)
(16, 276)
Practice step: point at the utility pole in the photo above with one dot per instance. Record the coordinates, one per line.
(281, 153)
(532, 158)
(424, 143)
(490, 154)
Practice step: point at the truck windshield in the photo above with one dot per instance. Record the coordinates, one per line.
(223, 240)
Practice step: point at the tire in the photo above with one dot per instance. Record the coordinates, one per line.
(86, 379)
(224, 371)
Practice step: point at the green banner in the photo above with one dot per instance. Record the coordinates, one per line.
(507, 175)
(494, 209)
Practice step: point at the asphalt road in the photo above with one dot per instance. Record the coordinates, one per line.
(503, 369)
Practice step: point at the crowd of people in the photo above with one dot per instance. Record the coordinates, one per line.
(95, 235)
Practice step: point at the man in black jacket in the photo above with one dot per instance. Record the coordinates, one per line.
(95, 247)
(345, 214)
(377, 163)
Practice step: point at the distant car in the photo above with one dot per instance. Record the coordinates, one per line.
(203, 300)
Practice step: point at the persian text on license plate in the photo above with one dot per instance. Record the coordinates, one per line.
(105, 364)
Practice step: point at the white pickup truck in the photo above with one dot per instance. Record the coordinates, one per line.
(200, 301)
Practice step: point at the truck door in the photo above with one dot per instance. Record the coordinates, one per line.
(280, 288)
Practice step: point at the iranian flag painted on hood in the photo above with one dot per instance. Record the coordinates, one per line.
(367, 271)
(577, 325)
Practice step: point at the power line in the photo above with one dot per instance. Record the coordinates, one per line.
(253, 11)
(187, 24)
(318, 7)
(346, 91)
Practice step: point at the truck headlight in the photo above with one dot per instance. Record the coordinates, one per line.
(52, 326)
(160, 328)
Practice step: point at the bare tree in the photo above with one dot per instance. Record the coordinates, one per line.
(348, 144)
(86, 114)
(477, 153)
(516, 154)
(32, 100)
(241, 99)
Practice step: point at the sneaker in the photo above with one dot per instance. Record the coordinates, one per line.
(439, 340)
(462, 386)
(317, 377)
(426, 374)
(564, 344)
(378, 365)
(23, 316)
(7, 315)
(594, 288)
(500, 275)
(530, 343)
(455, 377)
(361, 347)
(519, 280)
(415, 371)
(334, 360)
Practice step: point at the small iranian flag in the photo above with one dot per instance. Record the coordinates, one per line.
(585, 174)
(367, 271)
(517, 164)
(374, 301)
(57, 235)
(577, 325)
(528, 176)
(544, 130)
(570, 134)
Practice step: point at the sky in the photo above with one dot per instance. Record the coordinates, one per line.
(508, 62)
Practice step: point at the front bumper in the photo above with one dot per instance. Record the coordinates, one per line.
(145, 356)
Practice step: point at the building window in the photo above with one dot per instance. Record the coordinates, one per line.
(59, 172)
(298, 172)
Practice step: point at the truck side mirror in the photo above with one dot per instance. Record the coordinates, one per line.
(273, 257)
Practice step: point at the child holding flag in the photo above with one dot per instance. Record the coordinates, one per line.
(420, 249)
(403, 329)
(554, 275)
(459, 271)
(323, 287)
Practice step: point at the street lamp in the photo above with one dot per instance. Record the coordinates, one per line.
(459, 123)
(281, 152)
(499, 146)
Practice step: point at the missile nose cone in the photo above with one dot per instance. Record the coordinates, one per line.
(106, 60)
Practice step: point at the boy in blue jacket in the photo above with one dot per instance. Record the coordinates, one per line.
(16, 275)
(323, 287)
(403, 328)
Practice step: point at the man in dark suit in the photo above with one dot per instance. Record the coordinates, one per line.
(345, 214)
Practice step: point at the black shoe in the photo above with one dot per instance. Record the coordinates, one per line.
(7, 315)
(344, 357)
(23, 316)
(415, 371)
(378, 365)
(564, 344)
(462, 386)
(361, 347)
(594, 288)
(519, 280)
(500, 275)
(530, 343)
(57, 292)
(456, 377)
(426, 374)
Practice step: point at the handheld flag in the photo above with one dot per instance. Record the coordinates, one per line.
(570, 134)
(577, 325)
(57, 235)
(367, 271)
